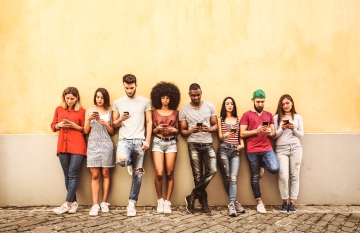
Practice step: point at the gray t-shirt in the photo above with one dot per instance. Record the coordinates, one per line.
(288, 136)
(134, 127)
(192, 116)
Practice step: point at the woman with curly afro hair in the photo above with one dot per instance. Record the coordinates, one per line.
(165, 98)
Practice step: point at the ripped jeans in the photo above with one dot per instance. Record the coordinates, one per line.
(131, 148)
(289, 157)
(270, 163)
(229, 161)
(202, 155)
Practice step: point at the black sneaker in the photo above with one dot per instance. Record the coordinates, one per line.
(292, 208)
(284, 208)
(239, 209)
(190, 200)
(205, 209)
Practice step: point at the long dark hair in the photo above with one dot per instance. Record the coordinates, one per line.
(280, 110)
(223, 109)
(106, 97)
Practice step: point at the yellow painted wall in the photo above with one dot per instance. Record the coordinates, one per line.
(309, 49)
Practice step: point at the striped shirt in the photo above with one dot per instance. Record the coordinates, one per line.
(227, 128)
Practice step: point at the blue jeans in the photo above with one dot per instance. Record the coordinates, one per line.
(131, 148)
(268, 160)
(229, 161)
(199, 154)
(71, 164)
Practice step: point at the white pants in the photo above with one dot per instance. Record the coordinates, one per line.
(289, 157)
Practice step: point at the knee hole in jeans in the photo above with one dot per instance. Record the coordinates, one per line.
(121, 157)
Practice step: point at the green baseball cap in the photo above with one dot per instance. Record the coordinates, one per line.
(260, 94)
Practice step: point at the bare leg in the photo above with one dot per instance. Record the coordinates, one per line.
(106, 183)
(158, 158)
(170, 159)
(95, 178)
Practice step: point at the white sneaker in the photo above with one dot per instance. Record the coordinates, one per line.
(94, 211)
(167, 207)
(160, 206)
(61, 209)
(261, 208)
(131, 212)
(73, 207)
(104, 207)
(130, 170)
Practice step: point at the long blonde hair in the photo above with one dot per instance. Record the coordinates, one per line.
(74, 91)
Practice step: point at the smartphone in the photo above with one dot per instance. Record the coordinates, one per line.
(286, 122)
(66, 120)
(126, 113)
(96, 113)
(233, 130)
(164, 125)
(199, 124)
(265, 123)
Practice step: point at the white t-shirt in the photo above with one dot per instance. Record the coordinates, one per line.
(134, 127)
(192, 116)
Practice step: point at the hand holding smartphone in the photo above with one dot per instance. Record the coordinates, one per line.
(126, 113)
(233, 130)
(265, 123)
(286, 122)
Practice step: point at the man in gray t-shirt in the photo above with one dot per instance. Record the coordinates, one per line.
(130, 114)
(197, 122)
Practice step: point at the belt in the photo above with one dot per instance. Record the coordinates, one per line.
(230, 145)
(165, 139)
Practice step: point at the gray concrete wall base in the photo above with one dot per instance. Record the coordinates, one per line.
(31, 174)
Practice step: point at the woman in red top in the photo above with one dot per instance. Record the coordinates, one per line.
(69, 120)
(165, 98)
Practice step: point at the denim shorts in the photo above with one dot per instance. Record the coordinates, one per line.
(163, 146)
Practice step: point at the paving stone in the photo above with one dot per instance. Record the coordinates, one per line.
(332, 228)
(307, 219)
(9, 228)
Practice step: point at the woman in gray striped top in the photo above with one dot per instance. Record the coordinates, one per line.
(100, 150)
(228, 155)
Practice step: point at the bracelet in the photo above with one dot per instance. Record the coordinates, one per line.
(56, 126)
(224, 137)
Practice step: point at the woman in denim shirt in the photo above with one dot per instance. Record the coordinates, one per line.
(228, 155)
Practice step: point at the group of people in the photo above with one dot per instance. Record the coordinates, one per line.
(138, 119)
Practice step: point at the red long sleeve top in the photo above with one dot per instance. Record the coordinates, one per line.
(70, 140)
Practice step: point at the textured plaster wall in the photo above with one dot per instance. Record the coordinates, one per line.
(309, 49)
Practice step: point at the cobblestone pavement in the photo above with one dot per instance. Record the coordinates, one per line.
(307, 219)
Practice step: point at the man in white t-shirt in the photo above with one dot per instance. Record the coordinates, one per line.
(130, 114)
(197, 121)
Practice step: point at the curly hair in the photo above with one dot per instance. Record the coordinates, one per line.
(165, 89)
